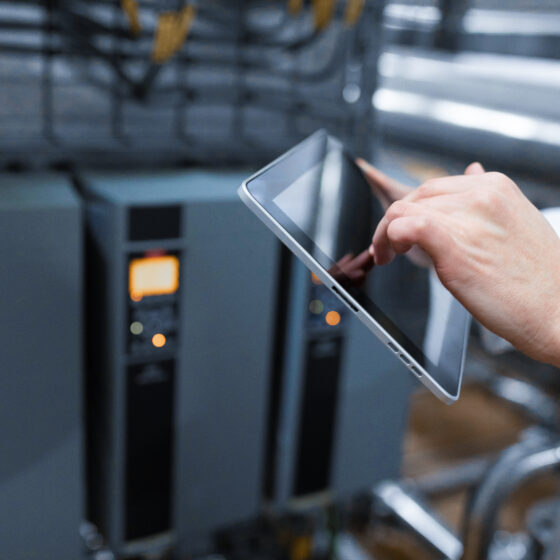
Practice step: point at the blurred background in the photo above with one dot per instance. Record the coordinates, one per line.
(174, 385)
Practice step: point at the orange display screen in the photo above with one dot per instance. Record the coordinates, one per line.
(153, 276)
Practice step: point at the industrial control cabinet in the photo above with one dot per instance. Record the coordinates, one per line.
(41, 440)
(338, 400)
(181, 281)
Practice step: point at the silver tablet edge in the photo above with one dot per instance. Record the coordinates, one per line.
(362, 314)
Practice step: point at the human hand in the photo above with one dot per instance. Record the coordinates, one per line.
(387, 189)
(491, 248)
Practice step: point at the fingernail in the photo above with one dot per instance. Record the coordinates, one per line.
(475, 168)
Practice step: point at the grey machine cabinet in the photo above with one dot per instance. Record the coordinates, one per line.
(176, 433)
(339, 399)
(41, 480)
(338, 404)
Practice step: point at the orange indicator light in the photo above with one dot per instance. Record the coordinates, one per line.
(153, 276)
(315, 279)
(332, 318)
(159, 340)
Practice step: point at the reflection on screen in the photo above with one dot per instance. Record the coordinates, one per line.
(336, 209)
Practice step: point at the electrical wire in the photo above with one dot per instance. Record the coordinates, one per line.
(273, 51)
(82, 36)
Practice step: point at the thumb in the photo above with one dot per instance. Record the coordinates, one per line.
(475, 169)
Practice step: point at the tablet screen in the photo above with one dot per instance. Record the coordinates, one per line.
(321, 198)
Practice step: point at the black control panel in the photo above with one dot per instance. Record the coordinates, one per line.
(153, 325)
(151, 346)
(318, 414)
(326, 322)
(153, 303)
(149, 448)
(325, 311)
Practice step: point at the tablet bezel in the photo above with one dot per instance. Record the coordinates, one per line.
(398, 342)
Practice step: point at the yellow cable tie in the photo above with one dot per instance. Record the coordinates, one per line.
(130, 8)
(294, 7)
(184, 23)
(323, 12)
(164, 37)
(353, 11)
(171, 32)
(168, 41)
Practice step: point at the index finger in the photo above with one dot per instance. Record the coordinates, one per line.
(422, 228)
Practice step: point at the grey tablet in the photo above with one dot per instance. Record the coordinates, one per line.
(316, 200)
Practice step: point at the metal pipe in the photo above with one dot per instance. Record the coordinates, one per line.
(525, 397)
(394, 500)
(537, 454)
(452, 479)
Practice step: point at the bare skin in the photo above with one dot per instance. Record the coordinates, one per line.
(490, 247)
